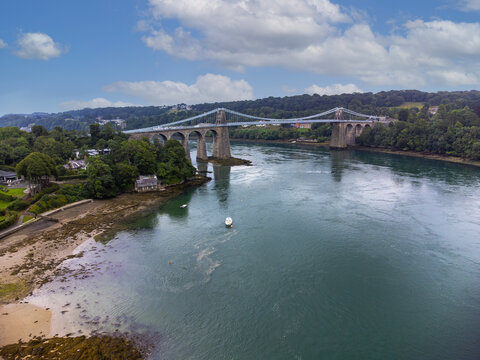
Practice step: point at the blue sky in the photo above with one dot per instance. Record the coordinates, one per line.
(57, 55)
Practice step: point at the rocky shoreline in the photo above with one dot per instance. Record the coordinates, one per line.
(229, 162)
(31, 257)
(440, 157)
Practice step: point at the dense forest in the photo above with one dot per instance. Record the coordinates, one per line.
(382, 103)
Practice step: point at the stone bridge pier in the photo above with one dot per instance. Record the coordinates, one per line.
(344, 134)
(221, 138)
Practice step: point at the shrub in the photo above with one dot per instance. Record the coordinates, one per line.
(9, 220)
(6, 197)
(67, 194)
(18, 205)
(48, 190)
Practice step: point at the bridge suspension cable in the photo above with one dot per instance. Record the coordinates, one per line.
(238, 115)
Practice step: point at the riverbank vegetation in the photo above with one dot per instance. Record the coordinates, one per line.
(42, 156)
(454, 132)
(319, 132)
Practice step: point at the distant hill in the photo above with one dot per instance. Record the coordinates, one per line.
(382, 103)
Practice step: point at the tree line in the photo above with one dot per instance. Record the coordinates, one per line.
(383, 103)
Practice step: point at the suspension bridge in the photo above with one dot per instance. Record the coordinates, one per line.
(347, 125)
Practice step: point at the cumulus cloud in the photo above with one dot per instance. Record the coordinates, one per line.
(335, 89)
(38, 46)
(470, 4)
(3, 44)
(93, 104)
(207, 88)
(305, 34)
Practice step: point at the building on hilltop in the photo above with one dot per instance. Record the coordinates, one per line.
(119, 123)
(28, 128)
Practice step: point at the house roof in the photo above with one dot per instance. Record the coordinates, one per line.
(147, 181)
(7, 173)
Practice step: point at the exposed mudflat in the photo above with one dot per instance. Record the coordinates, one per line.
(31, 257)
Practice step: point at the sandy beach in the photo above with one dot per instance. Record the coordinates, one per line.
(16, 318)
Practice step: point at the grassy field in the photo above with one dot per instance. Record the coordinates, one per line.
(26, 218)
(3, 204)
(15, 192)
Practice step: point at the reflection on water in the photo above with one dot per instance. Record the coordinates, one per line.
(202, 167)
(339, 163)
(221, 174)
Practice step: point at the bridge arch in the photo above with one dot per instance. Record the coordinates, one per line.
(358, 130)
(350, 134)
(201, 145)
(182, 137)
(159, 137)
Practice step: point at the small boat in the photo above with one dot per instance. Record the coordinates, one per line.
(228, 222)
(183, 206)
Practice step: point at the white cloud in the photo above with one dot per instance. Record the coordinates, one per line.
(470, 4)
(335, 89)
(3, 44)
(304, 34)
(207, 88)
(93, 104)
(38, 46)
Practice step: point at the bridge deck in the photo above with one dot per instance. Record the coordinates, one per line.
(249, 123)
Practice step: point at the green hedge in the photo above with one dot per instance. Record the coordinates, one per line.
(48, 190)
(9, 220)
(6, 198)
(66, 195)
(18, 205)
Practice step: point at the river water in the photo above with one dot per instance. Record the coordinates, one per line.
(333, 255)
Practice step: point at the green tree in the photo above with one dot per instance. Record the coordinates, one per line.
(37, 168)
(174, 166)
(39, 130)
(100, 183)
(94, 133)
(139, 153)
(403, 115)
(125, 175)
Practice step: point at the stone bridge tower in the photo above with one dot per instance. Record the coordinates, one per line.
(221, 139)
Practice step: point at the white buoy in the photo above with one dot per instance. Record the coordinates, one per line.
(228, 221)
(183, 206)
